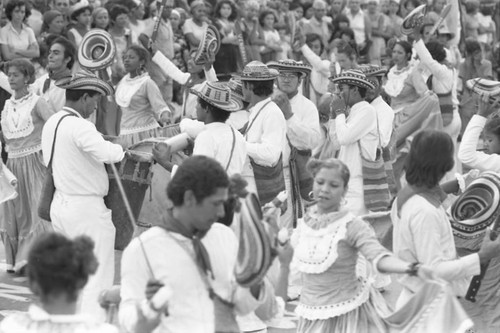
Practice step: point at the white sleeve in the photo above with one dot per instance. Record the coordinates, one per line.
(303, 129)
(355, 127)
(91, 141)
(468, 154)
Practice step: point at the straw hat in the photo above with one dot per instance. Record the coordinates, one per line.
(257, 71)
(96, 39)
(218, 94)
(414, 19)
(84, 80)
(209, 46)
(236, 88)
(373, 72)
(353, 77)
(291, 66)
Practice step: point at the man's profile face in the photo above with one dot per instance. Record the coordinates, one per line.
(209, 210)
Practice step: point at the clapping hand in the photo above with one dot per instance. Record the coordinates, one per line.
(281, 99)
(337, 106)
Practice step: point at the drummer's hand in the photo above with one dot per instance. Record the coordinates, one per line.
(152, 287)
(489, 249)
(486, 108)
(425, 272)
(166, 118)
(162, 154)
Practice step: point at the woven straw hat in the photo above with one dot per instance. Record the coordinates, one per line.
(209, 46)
(476, 209)
(373, 72)
(353, 77)
(219, 95)
(236, 88)
(257, 71)
(96, 39)
(84, 80)
(414, 19)
(290, 66)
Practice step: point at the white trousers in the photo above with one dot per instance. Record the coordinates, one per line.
(88, 215)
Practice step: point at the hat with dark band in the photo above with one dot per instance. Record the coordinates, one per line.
(85, 81)
(353, 77)
(218, 94)
(236, 88)
(257, 71)
(291, 66)
(209, 46)
(373, 73)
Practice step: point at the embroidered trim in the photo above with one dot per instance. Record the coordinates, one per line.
(133, 130)
(322, 312)
(17, 120)
(24, 152)
(316, 250)
(396, 79)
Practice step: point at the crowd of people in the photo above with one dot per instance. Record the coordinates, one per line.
(347, 110)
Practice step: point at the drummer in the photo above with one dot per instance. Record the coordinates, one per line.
(140, 100)
(81, 182)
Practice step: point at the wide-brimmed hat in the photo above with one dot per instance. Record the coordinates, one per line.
(353, 77)
(219, 95)
(475, 210)
(414, 19)
(257, 71)
(373, 72)
(291, 66)
(84, 80)
(209, 46)
(96, 39)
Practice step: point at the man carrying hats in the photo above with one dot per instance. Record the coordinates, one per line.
(78, 155)
(265, 133)
(303, 132)
(356, 128)
(61, 57)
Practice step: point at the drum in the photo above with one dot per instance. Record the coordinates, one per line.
(135, 172)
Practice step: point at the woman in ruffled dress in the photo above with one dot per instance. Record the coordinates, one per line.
(414, 105)
(23, 117)
(140, 100)
(327, 244)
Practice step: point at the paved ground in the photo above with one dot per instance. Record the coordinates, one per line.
(15, 294)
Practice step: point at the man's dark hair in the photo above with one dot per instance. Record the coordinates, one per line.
(429, 159)
(12, 4)
(218, 114)
(362, 92)
(75, 95)
(69, 49)
(200, 174)
(261, 88)
(437, 51)
(116, 11)
(311, 38)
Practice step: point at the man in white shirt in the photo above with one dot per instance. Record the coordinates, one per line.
(191, 255)
(303, 131)
(360, 24)
(265, 133)
(62, 55)
(81, 181)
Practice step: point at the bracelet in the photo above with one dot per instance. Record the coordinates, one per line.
(413, 269)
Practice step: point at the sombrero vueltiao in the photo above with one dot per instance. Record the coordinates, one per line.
(209, 46)
(373, 72)
(85, 81)
(257, 71)
(97, 40)
(353, 77)
(219, 95)
(484, 87)
(414, 19)
(290, 66)
(255, 250)
(475, 210)
(236, 88)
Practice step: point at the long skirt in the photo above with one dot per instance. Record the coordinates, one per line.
(19, 221)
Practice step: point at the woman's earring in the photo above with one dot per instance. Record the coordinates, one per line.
(311, 195)
(343, 202)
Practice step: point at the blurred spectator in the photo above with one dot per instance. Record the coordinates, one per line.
(194, 27)
(359, 22)
(472, 19)
(379, 32)
(226, 60)
(272, 46)
(100, 18)
(123, 38)
(61, 6)
(17, 40)
(395, 20)
(135, 17)
(81, 15)
(318, 24)
(252, 31)
(474, 65)
(53, 26)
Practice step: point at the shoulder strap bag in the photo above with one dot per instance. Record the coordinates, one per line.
(270, 181)
(49, 187)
